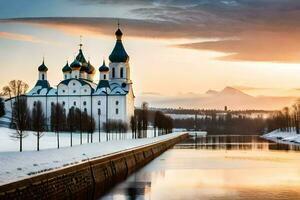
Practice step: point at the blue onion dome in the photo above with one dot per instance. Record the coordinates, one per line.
(90, 68)
(103, 68)
(119, 54)
(42, 67)
(75, 64)
(66, 68)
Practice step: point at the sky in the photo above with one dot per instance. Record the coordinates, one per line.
(177, 48)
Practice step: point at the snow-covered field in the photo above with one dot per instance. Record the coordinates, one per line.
(48, 141)
(18, 165)
(283, 137)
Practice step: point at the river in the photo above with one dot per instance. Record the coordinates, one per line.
(217, 167)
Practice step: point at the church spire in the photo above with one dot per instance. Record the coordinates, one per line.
(118, 54)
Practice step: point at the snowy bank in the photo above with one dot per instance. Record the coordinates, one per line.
(16, 165)
(283, 137)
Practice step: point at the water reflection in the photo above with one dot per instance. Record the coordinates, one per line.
(217, 168)
(234, 142)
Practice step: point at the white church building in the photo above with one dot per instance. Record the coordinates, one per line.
(111, 98)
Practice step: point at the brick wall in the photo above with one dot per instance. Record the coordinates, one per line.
(87, 180)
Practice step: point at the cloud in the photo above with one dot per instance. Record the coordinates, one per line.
(244, 30)
(18, 37)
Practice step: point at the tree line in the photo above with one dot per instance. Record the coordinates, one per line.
(287, 119)
(226, 124)
(162, 124)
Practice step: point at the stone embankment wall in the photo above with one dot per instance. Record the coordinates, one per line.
(89, 179)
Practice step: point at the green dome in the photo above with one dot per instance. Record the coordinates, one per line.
(103, 68)
(66, 68)
(119, 54)
(75, 64)
(42, 67)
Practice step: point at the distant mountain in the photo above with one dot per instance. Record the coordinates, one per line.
(211, 92)
(231, 97)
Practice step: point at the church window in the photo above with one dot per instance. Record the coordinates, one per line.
(121, 72)
(113, 72)
(43, 76)
(104, 76)
(74, 84)
(34, 103)
(76, 76)
(74, 103)
(74, 91)
(117, 111)
(85, 90)
(85, 110)
(63, 103)
(64, 91)
(84, 103)
(99, 111)
(99, 103)
(117, 102)
(65, 76)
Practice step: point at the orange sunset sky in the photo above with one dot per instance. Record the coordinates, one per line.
(178, 49)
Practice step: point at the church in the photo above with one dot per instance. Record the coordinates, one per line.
(111, 98)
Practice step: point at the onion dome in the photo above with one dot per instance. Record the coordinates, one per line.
(83, 68)
(90, 68)
(42, 67)
(75, 64)
(80, 57)
(66, 68)
(119, 54)
(103, 68)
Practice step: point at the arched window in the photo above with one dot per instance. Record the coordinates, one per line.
(85, 110)
(65, 76)
(74, 103)
(104, 76)
(99, 103)
(84, 103)
(63, 103)
(117, 102)
(113, 72)
(121, 72)
(117, 111)
(43, 76)
(99, 111)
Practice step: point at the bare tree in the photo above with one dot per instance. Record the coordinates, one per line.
(15, 90)
(38, 122)
(2, 107)
(71, 121)
(58, 118)
(20, 119)
(133, 125)
(144, 117)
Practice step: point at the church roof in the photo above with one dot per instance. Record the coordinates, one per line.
(119, 54)
(42, 67)
(42, 84)
(103, 84)
(75, 64)
(103, 68)
(66, 68)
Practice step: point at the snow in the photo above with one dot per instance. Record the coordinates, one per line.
(48, 141)
(283, 137)
(18, 165)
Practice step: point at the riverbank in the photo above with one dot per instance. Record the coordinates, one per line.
(283, 137)
(15, 165)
